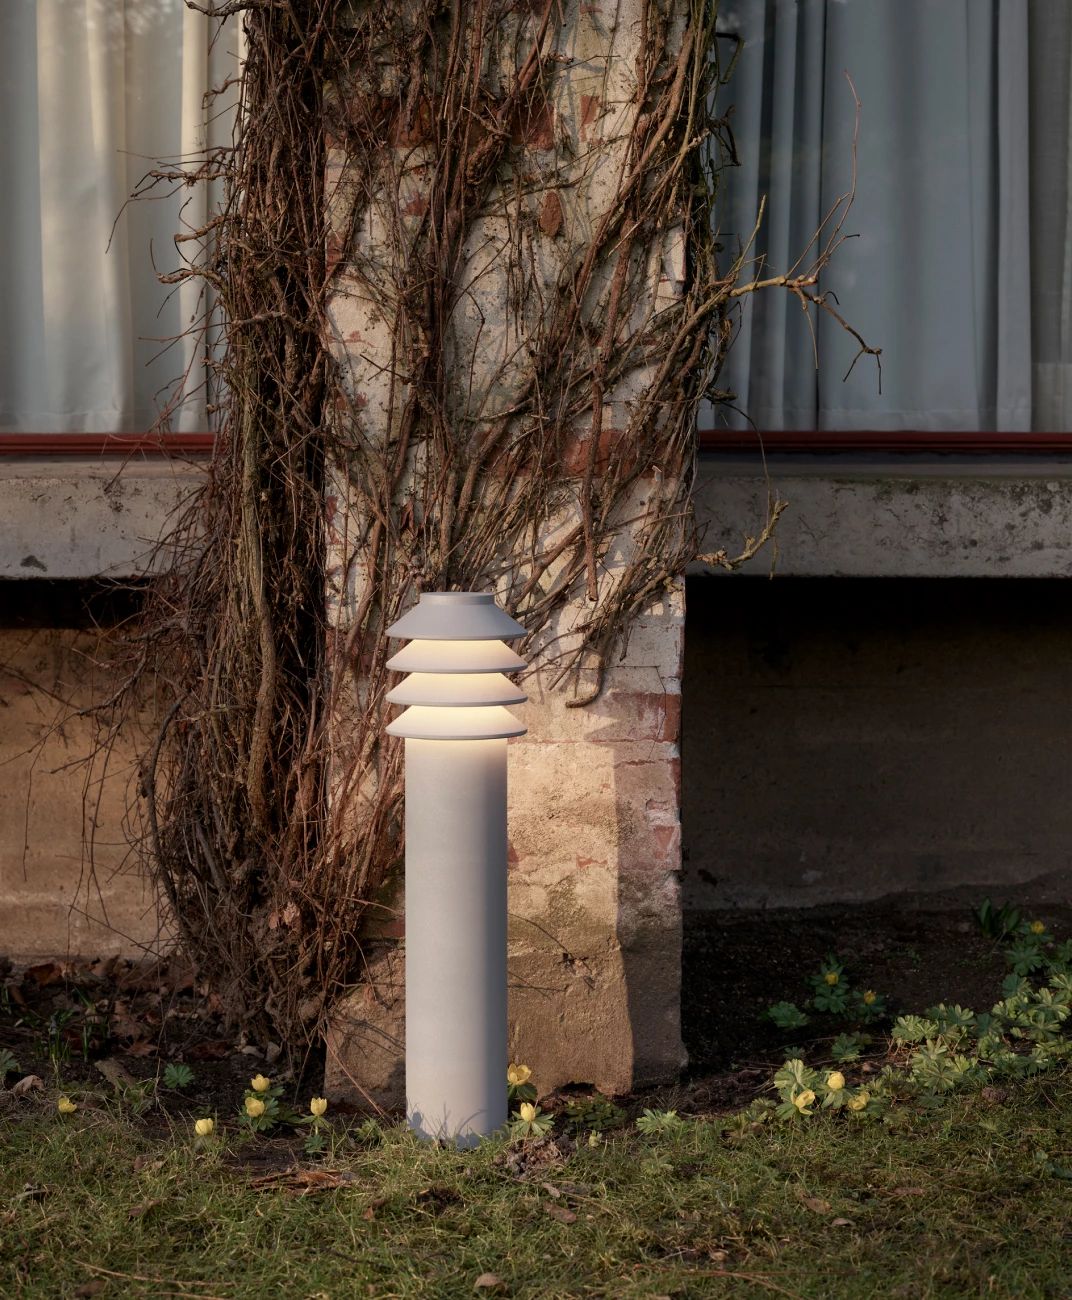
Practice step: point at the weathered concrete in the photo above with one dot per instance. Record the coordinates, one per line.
(51, 902)
(849, 739)
(74, 518)
(895, 516)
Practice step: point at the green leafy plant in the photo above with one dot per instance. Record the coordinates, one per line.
(787, 1015)
(528, 1121)
(830, 987)
(998, 923)
(1025, 956)
(913, 1029)
(847, 1047)
(8, 1064)
(139, 1097)
(592, 1115)
(263, 1108)
(177, 1076)
(317, 1140)
(660, 1123)
(868, 1005)
(368, 1133)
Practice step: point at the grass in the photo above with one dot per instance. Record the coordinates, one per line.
(947, 1201)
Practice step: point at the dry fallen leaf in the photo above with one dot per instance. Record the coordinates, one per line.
(489, 1282)
(560, 1213)
(89, 1288)
(841, 1223)
(115, 1072)
(817, 1204)
(908, 1191)
(136, 1211)
(300, 1182)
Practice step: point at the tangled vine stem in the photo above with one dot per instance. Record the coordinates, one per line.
(455, 357)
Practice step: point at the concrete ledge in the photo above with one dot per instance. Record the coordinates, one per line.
(936, 518)
(73, 518)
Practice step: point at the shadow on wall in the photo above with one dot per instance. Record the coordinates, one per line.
(845, 739)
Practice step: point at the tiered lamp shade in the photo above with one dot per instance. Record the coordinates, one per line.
(456, 689)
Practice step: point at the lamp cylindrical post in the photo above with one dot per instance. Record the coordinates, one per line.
(455, 731)
(455, 937)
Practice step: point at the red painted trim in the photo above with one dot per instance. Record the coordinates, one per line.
(916, 440)
(106, 444)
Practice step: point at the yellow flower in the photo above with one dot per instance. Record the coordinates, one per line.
(869, 997)
(1038, 927)
(527, 1112)
(831, 977)
(835, 1081)
(803, 1100)
(318, 1106)
(260, 1083)
(859, 1102)
(203, 1127)
(66, 1106)
(254, 1107)
(518, 1074)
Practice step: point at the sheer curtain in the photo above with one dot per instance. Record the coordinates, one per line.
(92, 92)
(953, 211)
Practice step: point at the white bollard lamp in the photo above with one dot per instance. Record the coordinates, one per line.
(456, 728)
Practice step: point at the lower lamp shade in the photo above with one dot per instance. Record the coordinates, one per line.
(422, 722)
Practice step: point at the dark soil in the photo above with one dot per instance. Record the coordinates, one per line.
(63, 1019)
(736, 964)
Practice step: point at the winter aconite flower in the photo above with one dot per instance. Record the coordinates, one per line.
(1038, 927)
(254, 1107)
(803, 1100)
(260, 1083)
(518, 1074)
(527, 1111)
(859, 1102)
(204, 1127)
(318, 1106)
(835, 1081)
(66, 1106)
(870, 997)
(831, 977)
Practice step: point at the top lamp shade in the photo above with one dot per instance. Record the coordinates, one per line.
(456, 616)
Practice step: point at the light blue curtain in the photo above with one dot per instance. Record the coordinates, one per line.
(939, 276)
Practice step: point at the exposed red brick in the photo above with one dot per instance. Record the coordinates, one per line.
(590, 110)
(575, 451)
(671, 717)
(335, 251)
(534, 126)
(666, 840)
(550, 218)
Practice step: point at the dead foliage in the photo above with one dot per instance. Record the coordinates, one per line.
(556, 473)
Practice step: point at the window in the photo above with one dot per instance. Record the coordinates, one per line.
(92, 93)
(961, 270)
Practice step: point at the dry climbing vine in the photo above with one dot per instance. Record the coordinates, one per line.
(471, 302)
